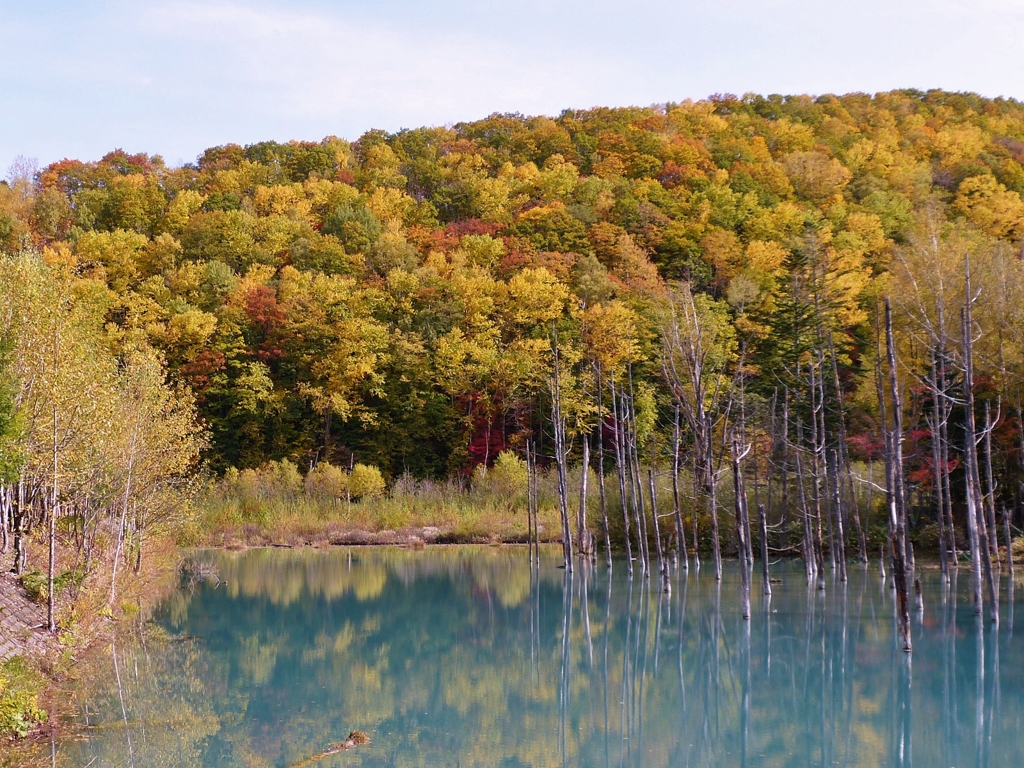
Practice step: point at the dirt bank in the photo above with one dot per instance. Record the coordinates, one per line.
(22, 622)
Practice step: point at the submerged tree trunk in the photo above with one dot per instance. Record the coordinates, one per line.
(1009, 543)
(742, 529)
(897, 435)
(899, 567)
(784, 515)
(807, 540)
(531, 509)
(600, 468)
(844, 456)
(940, 503)
(816, 484)
(762, 521)
(973, 502)
(947, 488)
(680, 533)
(990, 487)
(1020, 451)
(638, 496)
(536, 503)
(837, 505)
(663, 568)
(584, 539)
(620, 466)
(975, 505)
(558, 425)
(895, 499)
(716, 543)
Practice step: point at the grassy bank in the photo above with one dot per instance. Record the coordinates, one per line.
(276, 505)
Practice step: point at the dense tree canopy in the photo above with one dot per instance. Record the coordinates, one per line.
(394, 297)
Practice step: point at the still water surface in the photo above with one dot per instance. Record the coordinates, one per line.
(462, 656)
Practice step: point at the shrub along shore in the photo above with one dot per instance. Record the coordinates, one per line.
(276, 505)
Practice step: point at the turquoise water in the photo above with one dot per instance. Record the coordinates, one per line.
(464, 656)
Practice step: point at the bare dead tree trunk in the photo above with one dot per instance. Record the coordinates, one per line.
(784, 517)
(941, 381)
(844, 454)
(620, 466)
(537, 507)
(947, 490)
(529, 499)
(871, 490)
(816, 483)
(746, 517)
(990, 486)
(810, 560)
(696, 539)
(563, 492)
(899, 567)
(773, 441)
(641, 512)
(696, 376)
(975, 496)
(716, 542)
(972, 490)
(530, 519)
(1009, 543)
(1020, 448)
(838, 509)
(821, 463)
(633, 484)
(894, 485)
(663, 568)
(940, 502)
(897, 433)
(742, 529)
(762, 520)
(558, 425)
(600, 467)
(585, 541)
(680, 533)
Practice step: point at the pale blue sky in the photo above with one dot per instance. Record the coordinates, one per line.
(173, 77)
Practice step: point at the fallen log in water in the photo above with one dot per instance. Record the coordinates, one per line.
(355, 738)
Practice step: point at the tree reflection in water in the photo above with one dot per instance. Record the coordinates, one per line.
(469, 656)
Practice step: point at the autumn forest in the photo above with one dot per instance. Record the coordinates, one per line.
(816, 303)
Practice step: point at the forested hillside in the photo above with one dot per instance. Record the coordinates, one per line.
(394, 296)
(783, 325)
(774, 290)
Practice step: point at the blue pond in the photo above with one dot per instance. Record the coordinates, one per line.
(467, 656)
